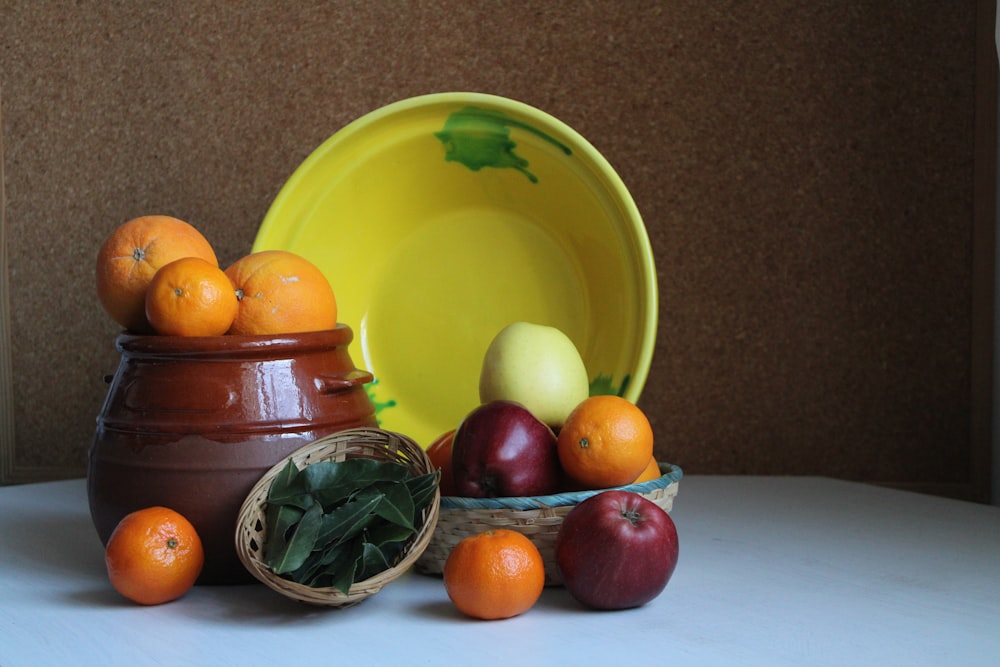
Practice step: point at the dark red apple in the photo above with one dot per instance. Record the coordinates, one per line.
(501, 449)
(616, 550)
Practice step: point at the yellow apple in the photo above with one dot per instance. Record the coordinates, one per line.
(537, 366)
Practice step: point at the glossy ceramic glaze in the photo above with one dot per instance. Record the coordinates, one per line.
(193, 423)
(440, 219)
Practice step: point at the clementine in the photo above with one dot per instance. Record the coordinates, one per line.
(191, 297)
(154, 555)
(131, 255)
(494, 574)
(439, 453)
(651, 472)
(606, 441)
(281, 292)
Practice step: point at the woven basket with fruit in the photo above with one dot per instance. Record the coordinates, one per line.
(536, 448)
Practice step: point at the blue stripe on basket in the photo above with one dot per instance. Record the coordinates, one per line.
(671, 475)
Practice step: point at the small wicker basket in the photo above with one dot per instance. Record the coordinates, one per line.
(374, 443)
(537, 517)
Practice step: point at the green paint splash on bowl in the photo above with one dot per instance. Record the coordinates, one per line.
(379, 405)
(480, 138)
(604, 384)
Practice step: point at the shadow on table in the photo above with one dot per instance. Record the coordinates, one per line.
(255, 604)
(65, 546)
(555, 598)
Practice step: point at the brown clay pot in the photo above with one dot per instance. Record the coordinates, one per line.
(193, 423)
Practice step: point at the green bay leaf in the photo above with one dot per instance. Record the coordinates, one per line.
(348, 519)
(422, 488)
(386, 532)
(281, 520)
(332, 482)
(301, 542)
(373, 561)
(288, 488)
(343, 572)
(396, 505)
(335, 523)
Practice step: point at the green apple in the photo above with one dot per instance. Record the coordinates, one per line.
(537, 366)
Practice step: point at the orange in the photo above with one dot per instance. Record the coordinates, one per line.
(651, 472)
(191, 297)
(154, 555)
(440, 455)
(606, 441)
(494, 574)
(131, 255)
(281, 292)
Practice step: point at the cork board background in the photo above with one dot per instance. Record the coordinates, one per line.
(812, 175)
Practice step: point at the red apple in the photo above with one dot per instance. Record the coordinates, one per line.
(501, 449)
(616, 550)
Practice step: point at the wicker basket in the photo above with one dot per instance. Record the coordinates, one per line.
(251, 531)
(538, 517)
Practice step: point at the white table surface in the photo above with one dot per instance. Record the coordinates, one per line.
(772, 571)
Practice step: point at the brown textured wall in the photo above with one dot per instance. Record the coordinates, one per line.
(805, 170)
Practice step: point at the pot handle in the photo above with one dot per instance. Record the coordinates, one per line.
(332, 384)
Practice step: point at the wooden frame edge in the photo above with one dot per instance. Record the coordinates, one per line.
(984, 255)
(7, 458)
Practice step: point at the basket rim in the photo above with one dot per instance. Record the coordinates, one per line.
(672, 474)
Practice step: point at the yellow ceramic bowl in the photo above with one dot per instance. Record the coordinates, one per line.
(442, 218)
